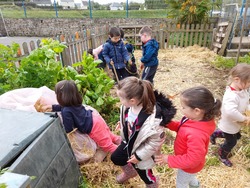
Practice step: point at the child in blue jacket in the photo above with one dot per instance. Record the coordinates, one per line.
(115, 54)
(130, 68)
(149, 60)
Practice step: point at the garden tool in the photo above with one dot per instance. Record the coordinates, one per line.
(113, 66)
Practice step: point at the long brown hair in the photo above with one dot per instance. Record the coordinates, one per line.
(142, 90)
(67, 93)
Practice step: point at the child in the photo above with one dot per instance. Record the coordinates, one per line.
(75, 115)
(234, 104)
(143, 115)
(97, 54)
(199, 108)
(115, 54)
(131, 69)
(149, 60)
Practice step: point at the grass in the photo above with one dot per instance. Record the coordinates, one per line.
(12, 11)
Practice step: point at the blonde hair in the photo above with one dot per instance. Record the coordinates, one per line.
(146, 30)
(242, 71)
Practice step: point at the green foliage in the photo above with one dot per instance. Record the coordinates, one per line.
(245, 59)
(221, 62)
(95, 85)
(17, 12)
(40, 68)
(8, 68)
(191, 11)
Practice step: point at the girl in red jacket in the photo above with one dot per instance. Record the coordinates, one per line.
(191, 144)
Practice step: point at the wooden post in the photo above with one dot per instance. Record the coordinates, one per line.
(161, 39)
(93, 40)
(241, 33)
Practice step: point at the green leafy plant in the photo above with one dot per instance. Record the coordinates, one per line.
(41, 68)
(221, 62)
(95, 85)
(8, 68)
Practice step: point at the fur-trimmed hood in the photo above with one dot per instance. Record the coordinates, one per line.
(164, 108)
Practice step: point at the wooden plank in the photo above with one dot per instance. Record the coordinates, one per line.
(220, 34)
(191, 35)
(186, 33)
(23, 127)
(182, 35)
(32, 45)
(201, 34)
(218, 45)
(225, 40)
(25, 48)
(196, 33)
(205, 35)
(221, 24)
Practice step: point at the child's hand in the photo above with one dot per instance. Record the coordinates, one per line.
(112, 62)
(130, 62)
(247, 121)
(161, 159)
(118, 126)
(142, 66)
(133, 160)
(46, 108)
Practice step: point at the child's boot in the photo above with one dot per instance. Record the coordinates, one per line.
(153, 185)
(128, 172)
(217, 134)
(223, 156)
(195, 186)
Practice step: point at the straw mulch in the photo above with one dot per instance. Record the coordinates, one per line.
(180, 69)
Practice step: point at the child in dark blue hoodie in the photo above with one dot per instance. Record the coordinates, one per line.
(149, 60)
(115, 54)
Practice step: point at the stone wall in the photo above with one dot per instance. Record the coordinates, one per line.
(57, 26)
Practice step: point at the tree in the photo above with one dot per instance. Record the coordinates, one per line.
(191, 11)
(155, 4)
(134, 6)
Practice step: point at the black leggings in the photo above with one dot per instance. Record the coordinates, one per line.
(230, 141)
(120, 156)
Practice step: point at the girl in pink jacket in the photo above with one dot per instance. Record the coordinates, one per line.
(191, 144)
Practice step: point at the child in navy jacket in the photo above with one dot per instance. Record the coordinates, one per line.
(115, 54)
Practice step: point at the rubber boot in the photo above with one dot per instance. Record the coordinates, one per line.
(223, 156)
(217, 134)
(153, 185)
(128, 172)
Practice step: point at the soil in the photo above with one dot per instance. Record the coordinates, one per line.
(179, 69)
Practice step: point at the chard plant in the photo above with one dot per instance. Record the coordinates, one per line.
(95, 85)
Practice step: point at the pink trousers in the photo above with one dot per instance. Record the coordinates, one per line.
(102, 135)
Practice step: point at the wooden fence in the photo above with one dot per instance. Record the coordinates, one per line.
(171, 35)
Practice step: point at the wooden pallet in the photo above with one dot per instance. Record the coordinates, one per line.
(221, 36)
